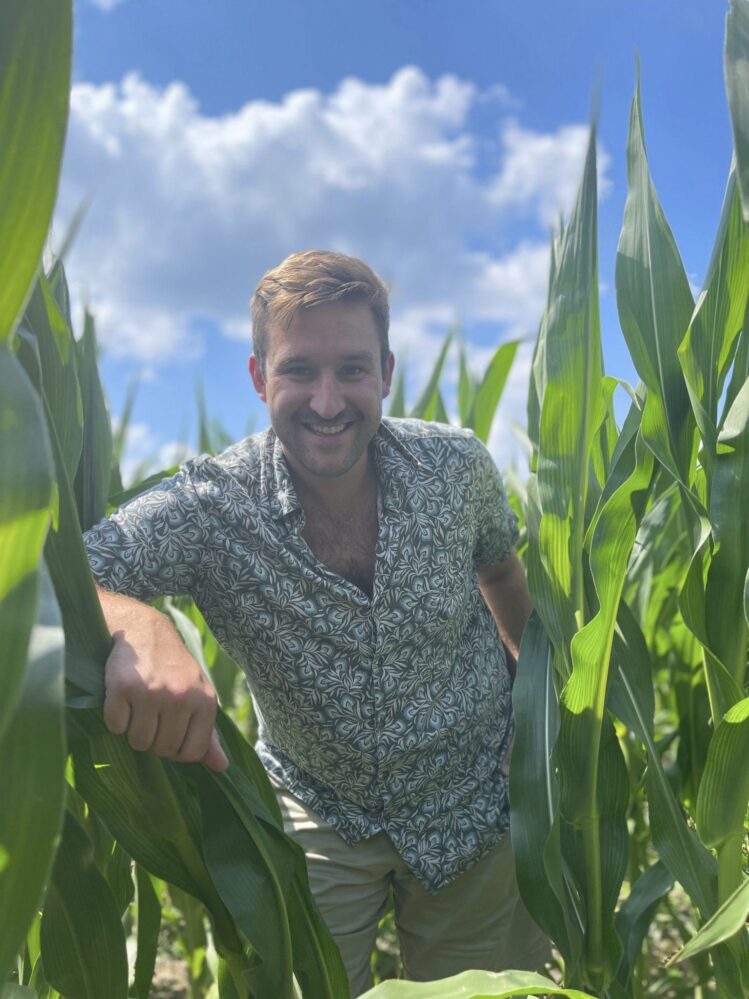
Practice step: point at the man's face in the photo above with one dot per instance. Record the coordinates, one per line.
(324, 385)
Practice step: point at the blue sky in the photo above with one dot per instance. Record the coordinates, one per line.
(438, 140)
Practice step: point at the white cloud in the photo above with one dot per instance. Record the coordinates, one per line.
(105, 5)
(188, 210)
(541, 171)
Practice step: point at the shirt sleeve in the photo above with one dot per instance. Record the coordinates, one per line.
(154, 545)
(497, 526)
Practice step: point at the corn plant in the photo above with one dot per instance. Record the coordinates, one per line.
(596, 499)
(629, 780)
(78, 805)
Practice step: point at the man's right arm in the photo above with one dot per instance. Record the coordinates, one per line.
(156, 693)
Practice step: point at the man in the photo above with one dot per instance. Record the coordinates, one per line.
(360, 571)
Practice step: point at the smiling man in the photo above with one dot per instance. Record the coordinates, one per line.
(361, 572)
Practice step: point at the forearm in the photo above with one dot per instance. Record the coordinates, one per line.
(129, 618)
(155, 692)
(505, 590)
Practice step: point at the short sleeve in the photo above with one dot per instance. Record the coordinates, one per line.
(154, 545)
(497, 525)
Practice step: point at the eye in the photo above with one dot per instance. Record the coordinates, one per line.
(352, 371)
(298, 372)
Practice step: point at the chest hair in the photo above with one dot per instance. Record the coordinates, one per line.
(345, 543)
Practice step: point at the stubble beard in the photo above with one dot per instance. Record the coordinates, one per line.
(316, 464)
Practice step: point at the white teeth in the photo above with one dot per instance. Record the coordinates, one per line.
(327, 430)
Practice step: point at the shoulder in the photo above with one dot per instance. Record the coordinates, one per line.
(434, 443)
(238, 466)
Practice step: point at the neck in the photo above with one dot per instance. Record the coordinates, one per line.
(339, 494)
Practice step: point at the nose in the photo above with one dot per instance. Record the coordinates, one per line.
(327, 399)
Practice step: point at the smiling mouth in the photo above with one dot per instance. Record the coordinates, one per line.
(327, 429)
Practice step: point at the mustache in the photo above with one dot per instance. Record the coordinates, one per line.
(343, 417)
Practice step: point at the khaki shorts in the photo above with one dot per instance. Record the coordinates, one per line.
(476, 921)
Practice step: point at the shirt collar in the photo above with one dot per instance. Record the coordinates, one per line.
(396, 464)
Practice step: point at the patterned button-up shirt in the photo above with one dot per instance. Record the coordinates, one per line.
(391, 713)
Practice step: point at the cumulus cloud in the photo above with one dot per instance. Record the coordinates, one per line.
(540, 172)
(188, 210)
(105, 5)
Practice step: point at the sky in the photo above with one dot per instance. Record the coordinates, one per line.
(437, 140)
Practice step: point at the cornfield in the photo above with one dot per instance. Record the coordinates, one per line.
(630, 775)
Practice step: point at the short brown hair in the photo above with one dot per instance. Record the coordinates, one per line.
(306, 279)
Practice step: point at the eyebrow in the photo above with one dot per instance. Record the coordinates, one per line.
(302, 359)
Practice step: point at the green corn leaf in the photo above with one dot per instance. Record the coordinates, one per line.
(87, 639)
(534, 796)
(57, 357)
(633, 919)
(729, 920)
(188, 631)
(489, 391)
(93, 475)
(317, 961)
(83, 941)
(736, 68)
(242, 867)
(466, 388)
(26, 494)
(431, 389)
(740, 370)
(32, 785)
(631, 698)
(148, 808)
(397, 407)
(435, 409)
(205, 443)
(710, 341)
(476, 985)
(119, 436)
(661, 538)
(724, 792)
(57, 271)
(35, 62)
(655, 308)
(572, 362)
(593, 783)
(725, 627)
(537, 382)
(278, 873)
(149, 923)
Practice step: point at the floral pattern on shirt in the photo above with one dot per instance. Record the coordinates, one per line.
(391, 713)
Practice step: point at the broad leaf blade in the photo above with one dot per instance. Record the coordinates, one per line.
(489, 392)
(32, 781)
(655, 308)
(35, 61)
(25, 507)
(149, 922)
(83, 941)
(709, 344)
(476, 985)
(724, 792)
(94, 470)
(729, 919)
(534, 796)
(736, 67)
(431, 389)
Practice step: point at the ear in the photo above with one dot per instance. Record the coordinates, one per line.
(258, 378)
(387, 376)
